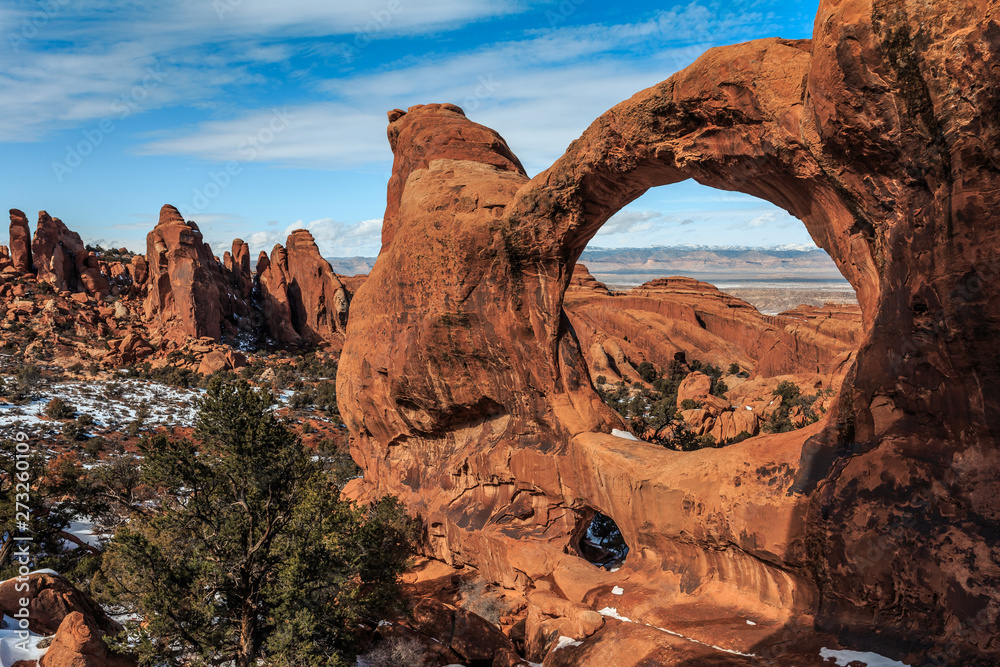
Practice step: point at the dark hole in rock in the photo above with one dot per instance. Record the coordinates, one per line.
(602, 543)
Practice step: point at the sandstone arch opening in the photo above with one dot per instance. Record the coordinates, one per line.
(601, 542)
(744, 245)
(696, 344)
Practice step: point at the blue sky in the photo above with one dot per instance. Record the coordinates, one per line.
(255, 117)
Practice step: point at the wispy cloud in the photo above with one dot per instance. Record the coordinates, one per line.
(760, 225)
(67, 67)
(630, 222)
(334, 238)
(540, 93)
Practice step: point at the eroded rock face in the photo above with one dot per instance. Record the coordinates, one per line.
(60, 258)
(667, 316)
(20, 242)
(303, 300)
(52, 598)
(185, 290)
(467, 393)
(79, 642)
(272, 274)
(320, 298)
(241, 268)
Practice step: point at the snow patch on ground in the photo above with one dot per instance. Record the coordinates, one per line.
(83, 528)
(617, 590)
(612, 612)
(566, 641)
(623, 434)
(46, 571)
(14, 648)
(870, 659)
(751, 623)
(112, 404)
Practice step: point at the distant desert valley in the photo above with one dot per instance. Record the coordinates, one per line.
(772, 280)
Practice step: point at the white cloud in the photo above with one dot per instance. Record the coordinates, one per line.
(629, 222)
(760, 225)
(538, 106)
(540, 93)
(69, 64)
(329, 135)
(760, 221)
(548, 87)
(334, 238)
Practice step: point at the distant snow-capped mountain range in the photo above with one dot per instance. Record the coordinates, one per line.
(790, 262)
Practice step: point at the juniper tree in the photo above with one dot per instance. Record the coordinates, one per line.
(252, 553)
(37, 500)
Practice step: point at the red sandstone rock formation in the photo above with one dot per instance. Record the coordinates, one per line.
(128, 350)
(60, 258)
(240, 267)
(303, 300)
(272, 274)
(139, 270)
(79, 642)
(471, 637)
(20, 242)
(187, 295)
(353, 283)
(320, 297)
(51, 599)
(585, 283)
(657, 320)
(468, 395)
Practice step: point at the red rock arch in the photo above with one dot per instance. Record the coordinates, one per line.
(467, 395)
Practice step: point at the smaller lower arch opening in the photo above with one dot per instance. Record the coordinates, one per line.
(602, 543)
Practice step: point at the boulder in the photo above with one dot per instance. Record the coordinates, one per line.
(220, 359)
(51, 599)
(729, 425)
(129, 350)
(695, 387)
(699, 421)
(470, 636)
(79, 642)
(139, 270)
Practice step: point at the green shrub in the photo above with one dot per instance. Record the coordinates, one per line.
(72, 431)
(647, 372)
(789, 391)
(57, 408)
